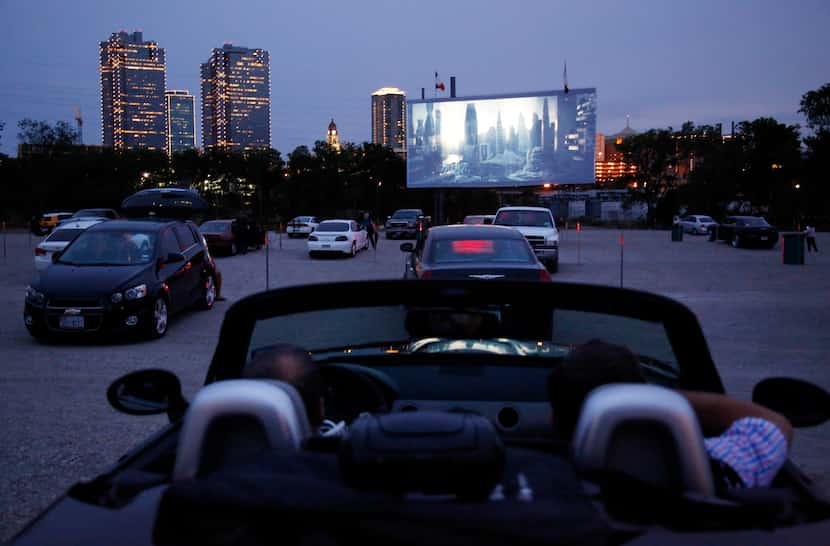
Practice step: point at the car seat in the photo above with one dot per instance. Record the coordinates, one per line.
(231, 420)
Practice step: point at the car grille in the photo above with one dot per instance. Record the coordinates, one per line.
(535, 240)
(62, 303)
(397, 224)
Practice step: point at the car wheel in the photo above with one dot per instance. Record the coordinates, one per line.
(233, 248)
(354, 249)
(736, 241)
(208, 295)
(158, 320)
(38, 332)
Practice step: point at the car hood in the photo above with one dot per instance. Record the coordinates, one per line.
(69, 280)
(535, 231)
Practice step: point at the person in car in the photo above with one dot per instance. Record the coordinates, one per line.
(747, 443)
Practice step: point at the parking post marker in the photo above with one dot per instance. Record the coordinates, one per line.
(578, 244)
(4, 240)
(267, 260)
(280, 228)
(622, 249)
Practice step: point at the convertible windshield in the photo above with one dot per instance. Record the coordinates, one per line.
(110, 248)
(436, 353)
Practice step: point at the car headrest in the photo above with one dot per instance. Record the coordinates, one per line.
(232, 418)
(646, 431)
(427, 452)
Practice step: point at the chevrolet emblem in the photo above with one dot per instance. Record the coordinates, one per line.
(72, 311)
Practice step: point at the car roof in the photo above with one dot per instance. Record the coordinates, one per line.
(460, 231)
(144, 224)
(409, 210)
(540, 209)
(220, 220)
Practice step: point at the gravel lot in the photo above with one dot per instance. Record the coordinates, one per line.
(761, 318)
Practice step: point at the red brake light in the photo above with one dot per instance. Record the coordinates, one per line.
(39, 251)
(544, 276)
(475, 246)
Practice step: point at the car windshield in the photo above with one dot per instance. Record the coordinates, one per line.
(110, 248)
(406, 215)
(473, 219)
(531, 218)
(333, 226)
(214, 227)
(751, 221)
(458, 251)
(302, 219)
(63, 235)
(496, 351)
(706, 219)
(91, 213)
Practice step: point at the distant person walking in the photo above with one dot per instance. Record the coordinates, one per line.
(371, 229)
(810, 232)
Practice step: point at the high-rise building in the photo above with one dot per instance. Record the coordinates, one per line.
(609, 162)
(389, 118)
(236, 99)
(181, 121)
(332, 136)
(132, 92)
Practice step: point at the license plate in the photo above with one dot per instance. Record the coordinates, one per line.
(326, 246)
(72, 323)
(764, 238)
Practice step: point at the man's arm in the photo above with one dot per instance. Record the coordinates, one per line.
(717, 412)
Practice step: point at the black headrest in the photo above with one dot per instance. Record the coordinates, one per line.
(426, 452)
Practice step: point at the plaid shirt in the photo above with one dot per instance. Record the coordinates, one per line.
(753, 448)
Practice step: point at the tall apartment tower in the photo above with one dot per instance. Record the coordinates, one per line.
(132, 92)
(389, 118)
(180, 112)
(236, 99)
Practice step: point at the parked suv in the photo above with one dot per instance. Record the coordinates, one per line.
(405, 223)
(538, 227)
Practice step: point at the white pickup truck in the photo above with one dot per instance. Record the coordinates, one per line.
(538, 227)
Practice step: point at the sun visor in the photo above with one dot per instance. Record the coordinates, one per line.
(165, 203)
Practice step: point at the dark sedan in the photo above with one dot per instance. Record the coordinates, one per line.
(746, 231)
(474, 252)
(122, 275)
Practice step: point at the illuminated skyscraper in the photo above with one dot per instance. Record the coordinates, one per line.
(132, 92)
(181, 121)
(332, 136)
(389, 118)
(236, 99)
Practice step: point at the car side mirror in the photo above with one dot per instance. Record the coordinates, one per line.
(148, 392)
(804, 404)
(407, 247)
(174, 257)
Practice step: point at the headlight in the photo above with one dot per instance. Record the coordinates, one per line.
(115, 298)
(552, 240)
(34, 296)
(341, 238)
(312, 238)
(136, 292)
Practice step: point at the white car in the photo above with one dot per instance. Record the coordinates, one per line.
(61, 236)
(538, 227)
(301, 225)
(344, 236)
(697, 223)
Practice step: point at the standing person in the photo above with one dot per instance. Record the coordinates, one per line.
(810, 232)
(371, 229)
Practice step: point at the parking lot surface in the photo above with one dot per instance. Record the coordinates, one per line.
(761, 318)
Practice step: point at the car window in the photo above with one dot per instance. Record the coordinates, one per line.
(63, 235)
(110, 247)
(169, 243)
(706, 219)
(406, 215)
(529, 218)
(214, 227)
(185, 237)
(448, 251)
(333, 227)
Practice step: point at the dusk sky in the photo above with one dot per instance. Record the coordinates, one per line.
(662, 62)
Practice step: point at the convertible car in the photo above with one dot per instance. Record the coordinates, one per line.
(441, 387)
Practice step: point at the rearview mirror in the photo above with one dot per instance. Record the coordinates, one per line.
(174, 257)
(804, 404)
(407, 247)
(148, 392)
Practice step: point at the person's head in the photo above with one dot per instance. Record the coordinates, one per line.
(291, 364)
(365, 215)
(585, 368)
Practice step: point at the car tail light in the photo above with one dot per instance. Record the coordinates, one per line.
(544, 276)
(39, 251)
(426, 275)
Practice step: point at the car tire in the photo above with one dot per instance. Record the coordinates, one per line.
(736, 241)
(208, 294)
(159, 318)
(233, 250)
(311, 254)
(38, 332)
(353, 253)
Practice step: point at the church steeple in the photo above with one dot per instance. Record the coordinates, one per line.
(332, 136)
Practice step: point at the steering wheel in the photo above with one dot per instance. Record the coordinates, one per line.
(349, 390)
